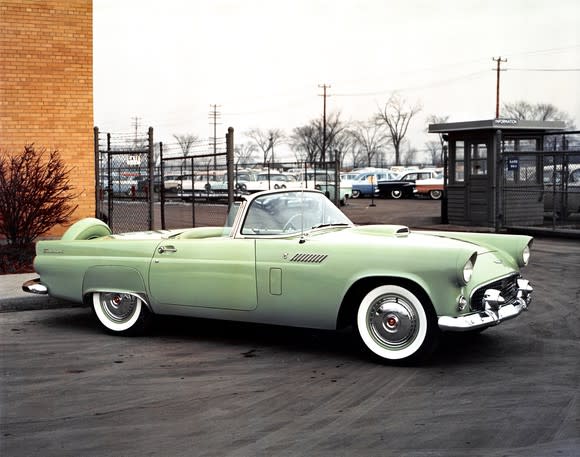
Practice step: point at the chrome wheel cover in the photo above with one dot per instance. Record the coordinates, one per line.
(118, 307)
(396, 193)
(435, 194)
(392, 321)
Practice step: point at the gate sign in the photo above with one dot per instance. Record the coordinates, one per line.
(513, 163)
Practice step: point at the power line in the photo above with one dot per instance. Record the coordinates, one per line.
(543, 69)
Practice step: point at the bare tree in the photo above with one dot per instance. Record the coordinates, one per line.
(397, 115)
(538, 112)
(358, 156)
(186, 143)
(409, 155)
(434, 148)
(244, 152)
(306, 141)
(370, 140)
(266, 141)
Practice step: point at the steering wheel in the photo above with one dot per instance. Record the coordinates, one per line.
(289, 225)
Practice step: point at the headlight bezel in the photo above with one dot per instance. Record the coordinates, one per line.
(526, 254)
(465, 273)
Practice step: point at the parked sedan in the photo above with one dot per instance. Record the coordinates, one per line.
(365, 185)
(404, 185)
(290, 257)
(432, 187)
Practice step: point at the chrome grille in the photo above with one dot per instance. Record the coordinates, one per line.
(507, 286)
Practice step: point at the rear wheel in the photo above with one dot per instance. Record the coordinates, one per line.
(355, 193)
(121, 313)
(435, 194)
(394, 324)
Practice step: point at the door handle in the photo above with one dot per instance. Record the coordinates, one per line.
(163, 249)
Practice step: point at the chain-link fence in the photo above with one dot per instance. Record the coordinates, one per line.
(195, 191)
(122, 175)
(542, 188)
(185, 189)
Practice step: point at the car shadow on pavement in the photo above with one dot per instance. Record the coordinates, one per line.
(255, 340)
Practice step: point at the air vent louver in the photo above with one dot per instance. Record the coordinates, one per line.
(309, 258)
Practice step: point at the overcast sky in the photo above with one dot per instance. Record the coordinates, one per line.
(261, 61)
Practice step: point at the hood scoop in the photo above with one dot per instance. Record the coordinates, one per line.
(398, 231)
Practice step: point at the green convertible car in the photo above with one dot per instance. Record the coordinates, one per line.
(290, 257)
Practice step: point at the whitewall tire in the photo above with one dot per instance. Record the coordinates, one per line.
(121, 313)
(394, 325)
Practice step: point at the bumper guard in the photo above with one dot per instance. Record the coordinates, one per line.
(34, 286)
(495, 310)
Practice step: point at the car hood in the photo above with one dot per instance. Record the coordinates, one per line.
(401, 234)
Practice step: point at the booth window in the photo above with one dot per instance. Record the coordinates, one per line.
(459, 174)
(478, 158)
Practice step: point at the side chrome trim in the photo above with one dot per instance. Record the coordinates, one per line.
(34, 286)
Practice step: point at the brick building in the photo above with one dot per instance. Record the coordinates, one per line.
(46, 85)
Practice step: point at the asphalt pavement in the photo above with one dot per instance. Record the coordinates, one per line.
(207, 388)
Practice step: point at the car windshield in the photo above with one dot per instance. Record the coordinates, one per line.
(287, 213)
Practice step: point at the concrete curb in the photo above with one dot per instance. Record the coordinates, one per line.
(13, 298)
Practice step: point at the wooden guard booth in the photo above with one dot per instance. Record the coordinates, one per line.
(481, 165)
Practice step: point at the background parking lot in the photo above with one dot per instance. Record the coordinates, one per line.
(210, 388)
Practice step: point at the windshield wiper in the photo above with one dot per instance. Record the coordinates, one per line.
(341, 224)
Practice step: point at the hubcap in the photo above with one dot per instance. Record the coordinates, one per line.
(118, 307)
(393, 321)
(396, 193)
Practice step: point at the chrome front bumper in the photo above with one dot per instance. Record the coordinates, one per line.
(495, 310)
(34, 286)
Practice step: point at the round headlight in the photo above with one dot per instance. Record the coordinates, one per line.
(526, 255)
(467, 271)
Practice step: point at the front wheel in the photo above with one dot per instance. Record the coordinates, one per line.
(121, 313)
(396, 193)
(394, 324)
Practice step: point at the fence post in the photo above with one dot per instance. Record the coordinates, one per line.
(150, 171)
(161, 186)
(337, 180)
(110, 200)
(230, 165)
(97, 172)
(498, 184)
(193, 205)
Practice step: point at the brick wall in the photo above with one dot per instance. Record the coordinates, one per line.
(46, 85)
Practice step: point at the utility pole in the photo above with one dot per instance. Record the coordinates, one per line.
(499, 61)
(214, 116)
(136, 121)
(323, 156)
